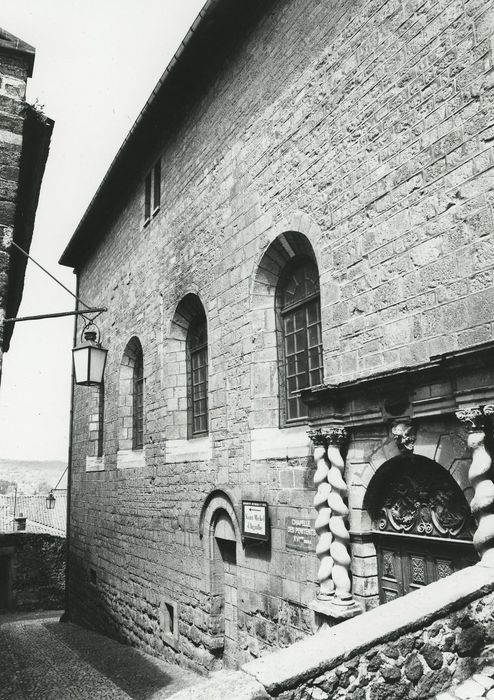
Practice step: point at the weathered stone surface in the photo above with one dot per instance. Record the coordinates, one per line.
(432, 655)
(390, 673)
(433, 683)
(413, 668)
(469, 641)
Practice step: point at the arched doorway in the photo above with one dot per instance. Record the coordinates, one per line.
(421, 523)
(221, 536)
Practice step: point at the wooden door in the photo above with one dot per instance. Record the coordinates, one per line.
(406, 564)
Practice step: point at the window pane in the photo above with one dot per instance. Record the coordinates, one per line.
(157, 185)
(147, 198)
(198, 358)
(138, 404)
(303, 354)
(302, 283)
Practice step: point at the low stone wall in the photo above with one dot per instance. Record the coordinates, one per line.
(413, 647)
(37, 570)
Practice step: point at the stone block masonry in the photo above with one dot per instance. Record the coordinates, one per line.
(13, 78)
(365, 127)
(33, 575)
(418, 648)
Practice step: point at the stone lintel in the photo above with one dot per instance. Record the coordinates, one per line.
(441, 386)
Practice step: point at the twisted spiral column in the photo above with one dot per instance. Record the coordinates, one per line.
(324, 536)
(338, 520)
(482, 503)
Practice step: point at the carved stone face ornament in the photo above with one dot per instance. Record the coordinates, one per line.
(405, 435)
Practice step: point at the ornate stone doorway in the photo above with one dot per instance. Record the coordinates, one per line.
(421, 523)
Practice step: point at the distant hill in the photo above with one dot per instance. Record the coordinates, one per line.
(33, 476)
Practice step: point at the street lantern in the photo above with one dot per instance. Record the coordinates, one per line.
(50, 501)
(89, 358)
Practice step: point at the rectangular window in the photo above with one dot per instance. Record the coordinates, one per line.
(138, 405)
(152, 193)
(199, 382)
(147, 199)
(157, 187)
(303, 354)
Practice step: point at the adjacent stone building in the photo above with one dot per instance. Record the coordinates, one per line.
(25, 135)
(296, 235)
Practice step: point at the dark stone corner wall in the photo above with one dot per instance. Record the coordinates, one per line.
(35, 565)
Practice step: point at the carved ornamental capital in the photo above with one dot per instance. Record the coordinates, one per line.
(405, 435)
(335, 435)
(318, 437)
(475, 416)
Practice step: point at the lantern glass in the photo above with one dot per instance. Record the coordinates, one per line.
(89, 364)
(50, 501)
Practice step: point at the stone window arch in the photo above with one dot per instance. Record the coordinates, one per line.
(287, 314)
(131, 397)
(187, 370)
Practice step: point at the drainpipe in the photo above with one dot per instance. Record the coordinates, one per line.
(66, 614)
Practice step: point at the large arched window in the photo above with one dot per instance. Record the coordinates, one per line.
(187, 373)
(300, 324)
(197, 351)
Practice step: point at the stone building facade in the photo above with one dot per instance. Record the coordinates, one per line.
(25, 135)
(296, 234)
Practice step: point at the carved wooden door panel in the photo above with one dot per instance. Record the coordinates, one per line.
(390, 571)
(406, 564)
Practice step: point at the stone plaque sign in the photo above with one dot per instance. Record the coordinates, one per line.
(255, 520)
(300, 534)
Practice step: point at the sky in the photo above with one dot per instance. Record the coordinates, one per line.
(97, 62)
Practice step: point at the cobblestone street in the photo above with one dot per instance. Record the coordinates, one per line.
(41, 659)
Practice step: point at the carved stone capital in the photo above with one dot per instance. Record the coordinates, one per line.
(337, 435)
(318, 437)
(475, 417)
(334, 435)
(405, 435)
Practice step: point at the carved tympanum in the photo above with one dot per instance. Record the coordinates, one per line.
(416, 498)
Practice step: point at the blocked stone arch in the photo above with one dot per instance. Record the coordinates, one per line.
(125, 393)
(218, 522)
(297, 236)
(175, 380)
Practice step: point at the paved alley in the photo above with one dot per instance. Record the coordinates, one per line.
(41, 659)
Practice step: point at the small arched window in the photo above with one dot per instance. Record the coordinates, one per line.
(138, 402)
(197, 350)
(300, 321)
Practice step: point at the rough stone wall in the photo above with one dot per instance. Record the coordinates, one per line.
(368, 127)
(37, 570)
(13, 78)
(415, 666)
